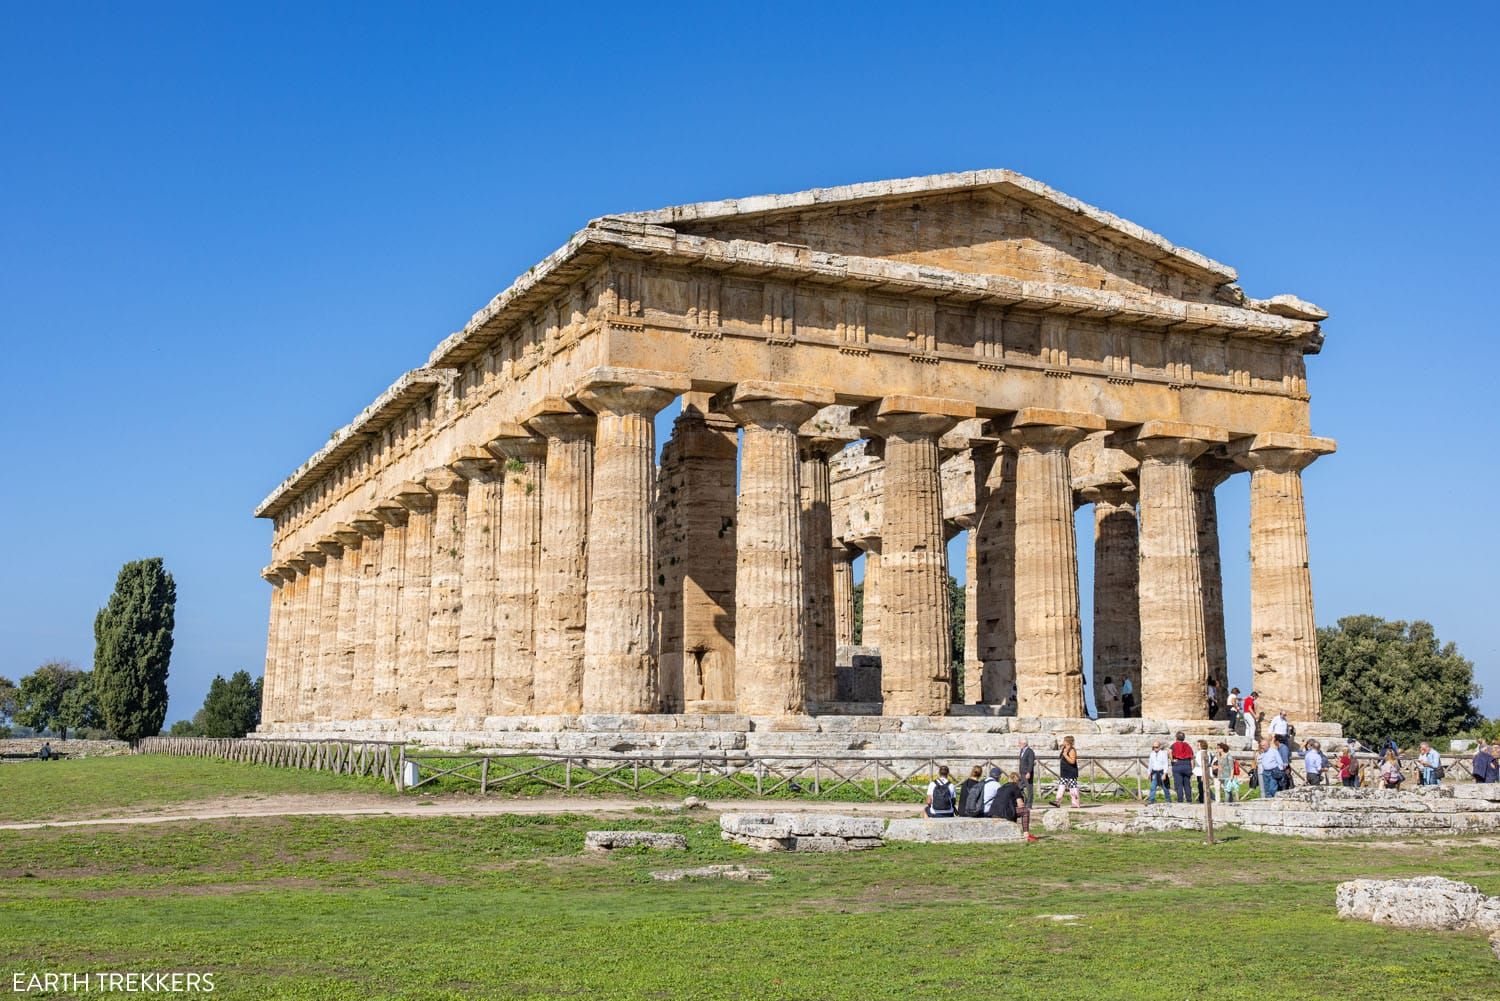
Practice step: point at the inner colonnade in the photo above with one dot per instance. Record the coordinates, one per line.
(861, 370)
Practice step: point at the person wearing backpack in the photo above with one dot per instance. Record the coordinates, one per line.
(971, 794)
(1009, 803)
(941, 797)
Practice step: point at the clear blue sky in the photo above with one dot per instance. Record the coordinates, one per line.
(226, 228)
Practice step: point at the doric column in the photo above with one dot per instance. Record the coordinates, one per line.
(769, 585)
(1174, 648)
(445, 600)
(916, 671)
(992, 543)
(869, 617)
(843, 595)
(340, 700)
(1208, 473)
(973, 666)
(619, 673)
(695, 558)
(1284, 647)
(362, 675)
(1117, 609)
(296, 639)
(272, 674)
(1049, 637)
(416, 598)
(562, 569)
(820, 637)
(383, 693)
(481, 549)
(522, 460)
(328, 640)
(312, 635)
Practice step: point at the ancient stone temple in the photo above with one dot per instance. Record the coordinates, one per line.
(859, 374)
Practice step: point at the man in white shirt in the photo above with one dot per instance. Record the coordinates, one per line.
(1281, 729)
(1157, 764)
(991, 787)
(1314, 761)
(1429, 761)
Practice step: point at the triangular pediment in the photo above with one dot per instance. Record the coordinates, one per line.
(986, 222)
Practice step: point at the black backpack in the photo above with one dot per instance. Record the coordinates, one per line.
(974, 798)
(942, 797)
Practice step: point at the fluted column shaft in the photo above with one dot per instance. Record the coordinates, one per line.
(973, 666)
(445, 599)
(770, 595)
(869, 634)
(1049, 636)
(329, 643)
(1206, 479)
(562, 570)
(341, 681)
(1284, 646)
(993, 540)
(383, 695)
(843, 596)
(291, 675)
(619, 673)
(312, 636)
(416, 600)
(522, 466)
(916, 672)
(271, 677)
(820, 638)
(1117, 610)
(362, 678)
(476, 623)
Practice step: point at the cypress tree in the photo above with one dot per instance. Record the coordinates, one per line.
(132, 649)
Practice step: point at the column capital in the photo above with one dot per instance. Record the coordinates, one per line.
(1039, 429)
(607, 389)
(287, 571)
(514, 442)
(348, 535)
(368, 524)
(415, 497)
(391, 514)
(1167, 441)
(475, 463)
(1210, 470)
(330, 546)
(1279, 452)
(443, 480)
(554, 417)
(272, 575)
(297, 564)
(314, 557)
(910, 415)
(1113, 491)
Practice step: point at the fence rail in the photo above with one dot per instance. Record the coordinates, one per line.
(877, 776)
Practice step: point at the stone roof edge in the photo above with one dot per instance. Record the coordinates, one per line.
(1154, 244)
(396, 397)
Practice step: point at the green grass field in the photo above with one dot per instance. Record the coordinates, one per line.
(440, 908)
(84, 787)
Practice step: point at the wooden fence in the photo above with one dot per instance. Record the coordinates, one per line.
(880, 777)
(377, 759)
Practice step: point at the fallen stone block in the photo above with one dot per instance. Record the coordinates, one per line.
(759, 844)
(955, 831)
(753, 825)
(604, 841)
(1055, 820)
(1423, 902)
(740, 873)
(832, 825)
(817, 843)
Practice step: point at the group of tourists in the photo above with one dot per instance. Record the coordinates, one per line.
(1002, 795)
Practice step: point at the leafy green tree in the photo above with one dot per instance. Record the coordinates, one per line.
(79, 709)
(44, 694)
(859, 613)
(232, 708)
(185, 728)
(8, 695)
(133, 649)
(1393, 679)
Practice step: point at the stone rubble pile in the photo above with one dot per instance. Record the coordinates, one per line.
(1336, 812)
(739, 873)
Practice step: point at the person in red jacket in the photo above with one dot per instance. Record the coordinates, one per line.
(1182, 768)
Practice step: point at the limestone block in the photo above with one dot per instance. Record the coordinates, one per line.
(829, 825)
(738, 873)
(1487, 915)
(603, 841)
(957, 830)
(1422, 902)
(752, 825)
(1056, 820)
(819, 843)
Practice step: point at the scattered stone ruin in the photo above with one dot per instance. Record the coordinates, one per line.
(862, 372)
